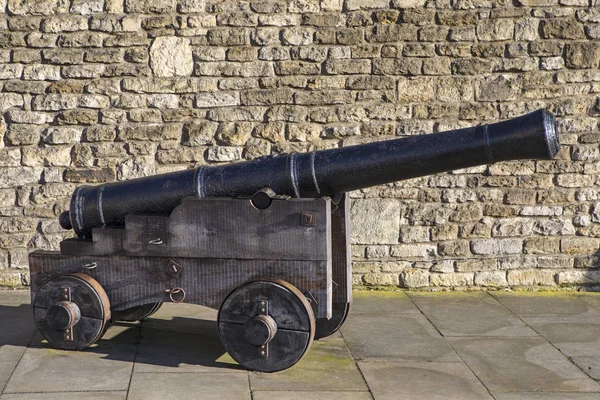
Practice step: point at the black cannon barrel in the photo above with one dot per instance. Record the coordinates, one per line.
(319, 173)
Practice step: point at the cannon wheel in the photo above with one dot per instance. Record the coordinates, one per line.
(266, 325)
(136, 313)
(71, 311)
(327, 327)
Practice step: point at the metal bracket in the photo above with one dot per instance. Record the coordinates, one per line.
(174, 269)
(65, 295)
(263, 309)
(308, 218)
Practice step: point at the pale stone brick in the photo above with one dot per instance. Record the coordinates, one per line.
(553, 227)
(223, 153)
(451, 280)
(491, 279)
(496, 246)
(414, 278)
(530, 278)
(217, 99)
(413, 250)
(171, 56)
(578, 277)
(379, 219)
(512, 227)
(578, 245)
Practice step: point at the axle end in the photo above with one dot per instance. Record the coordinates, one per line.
(64, 219)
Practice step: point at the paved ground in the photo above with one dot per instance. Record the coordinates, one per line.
(501, 346)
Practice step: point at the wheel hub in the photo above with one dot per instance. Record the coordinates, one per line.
(63, 315)
(260, 330)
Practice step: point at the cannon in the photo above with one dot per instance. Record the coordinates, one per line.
(265, 242)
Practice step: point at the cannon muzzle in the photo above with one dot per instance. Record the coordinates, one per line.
(319, 173)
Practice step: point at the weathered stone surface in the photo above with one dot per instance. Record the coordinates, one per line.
(414, 278)
(578, 277)
(223, 153)
(451, 280)
(491, 279)
(380, 219)
(530, 278)
(582, 55)
(33, 7)
(150, 6)
(171, 56)
(496, 246)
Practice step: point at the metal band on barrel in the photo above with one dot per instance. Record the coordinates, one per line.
(488, 146)
(314, 173)
(100, 211)
(294, 174)
(199, 182)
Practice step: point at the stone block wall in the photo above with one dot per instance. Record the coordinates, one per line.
(98, 90)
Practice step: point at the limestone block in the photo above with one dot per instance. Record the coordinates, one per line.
(28, 117)
(163, 101)
(491, 279)
(512, 227)
(578, 277)
(303, 6)
(234, 133)
(171, 56)
(149, 6)
(414, 234)
(10, 157)
(413, 278)
(366, 4)
(297, 36)
(451, 280)
(582, 55)
(376, 221)
(256, 147)
(62, 135)
(217, 99)
(223, 153)
(54, 102)
(10, 71)
(495, 29)
(272, 131)
(87, 7)
(19, 176)
(413, 250)
(33, 7)
(526, 29)
(556, 28)
(191, 6)
(64, 24)
(530, 278)
(542, 245)
(496, 246)
(579, 245)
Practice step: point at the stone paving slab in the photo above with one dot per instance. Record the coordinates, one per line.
(546, 304)
(407, 337)
(390, 347)
(312, 395)
(174, 351)
(473, 314)
(546, 396)
(107, 395)
(395, 380)
(576, 336)
(50, 370)
(521, 364)
(382, 303)
(205, 386)
(328, 366)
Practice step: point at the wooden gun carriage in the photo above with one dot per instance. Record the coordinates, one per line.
(266, 242)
